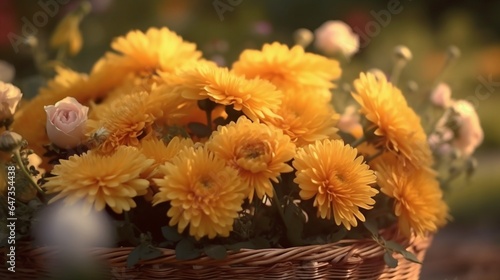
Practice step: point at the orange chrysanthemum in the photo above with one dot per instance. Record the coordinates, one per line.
(260, 153)
(304, 118)
(203, 192)
(288, 68)
(256, 98)
(418, 201)
(98, 180)
(337, 179)
(397, 125)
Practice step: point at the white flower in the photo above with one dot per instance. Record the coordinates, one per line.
(66, 122)
(336, 36)
(470, 134)
(441, 95)
(10, 96)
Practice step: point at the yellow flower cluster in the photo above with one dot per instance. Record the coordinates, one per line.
(240, 132)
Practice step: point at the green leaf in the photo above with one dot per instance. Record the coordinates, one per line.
(171, 234)
(372, 227)
(294, 221)
(185, 250)
(394, 246)
(410, 256)
(134, 256)
(216, 252)
(390, 261)
(241, 245)
(142, 252)
(398, 248)
(338, 235)
(150, 252)
(260, 242)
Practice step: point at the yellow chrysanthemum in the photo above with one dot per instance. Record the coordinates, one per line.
(338, 180)
(418, 202)
(260, 153)
(397, 125)
(288, 68)
(98, 180)
(126, 121)
(203, 192)
(160, 152)
(155, 49)
(304, 118)
(256, 98)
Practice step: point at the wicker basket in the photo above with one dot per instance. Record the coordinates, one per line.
(346, 259)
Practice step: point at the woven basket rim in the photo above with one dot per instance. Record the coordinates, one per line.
(340, 252)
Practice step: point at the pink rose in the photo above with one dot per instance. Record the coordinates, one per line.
(66, 122)
(9, 98)
(336, 36)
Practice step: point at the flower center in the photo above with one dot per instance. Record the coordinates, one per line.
(330, 186)
(253, 156)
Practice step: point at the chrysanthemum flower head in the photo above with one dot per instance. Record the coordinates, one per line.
(288, 68)
(256, 98)
(100, 180)
(337, 179)
(418, 201)
(397, 125)
(127, 120)
(162, 152)
(305, 118)
(204, 193)
(260, 153)
(159, 49)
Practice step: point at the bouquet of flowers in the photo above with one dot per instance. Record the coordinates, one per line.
(179, 153)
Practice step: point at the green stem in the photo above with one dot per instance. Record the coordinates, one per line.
(396, 71)
(276, 202)
(17, 157)
(372, 157)
(358, 141)
(209, 118)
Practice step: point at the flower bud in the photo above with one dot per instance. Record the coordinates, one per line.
(403, 52)
(441, 95)
(453, 52)
(470, 134)
(10, 96)
(7, 72)
(303, 37)
(10, 141)
(379, 74)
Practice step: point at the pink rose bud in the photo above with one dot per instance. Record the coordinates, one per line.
(470, 134)
(10, 96)
(66, 122)
(336, 36)
(441, 95)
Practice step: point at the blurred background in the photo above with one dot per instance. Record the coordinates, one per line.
(469, 247)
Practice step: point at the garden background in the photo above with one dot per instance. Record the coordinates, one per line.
(469, 247)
